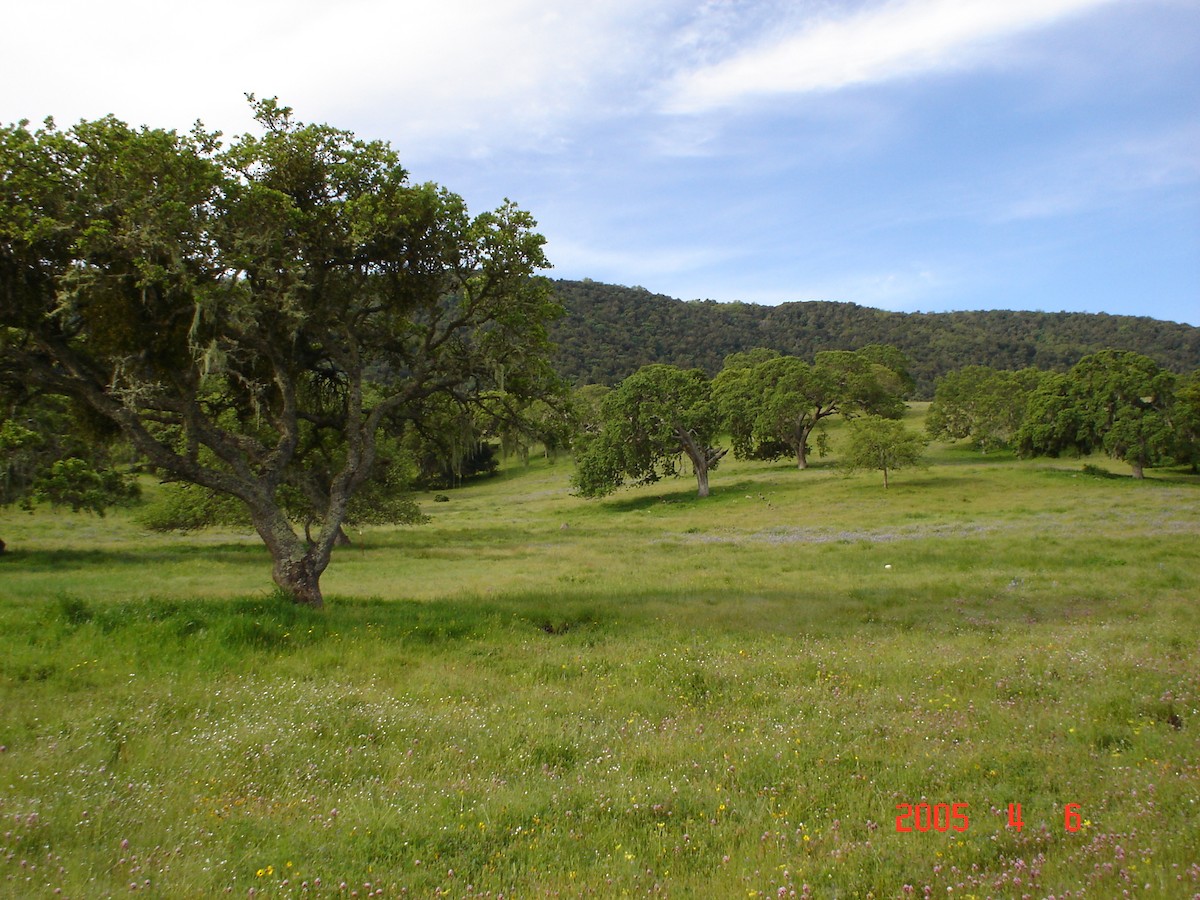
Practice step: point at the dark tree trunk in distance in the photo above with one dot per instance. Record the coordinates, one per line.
(703, 458)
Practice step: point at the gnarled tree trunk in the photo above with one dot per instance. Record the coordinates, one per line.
(301, 578)
(296, 563)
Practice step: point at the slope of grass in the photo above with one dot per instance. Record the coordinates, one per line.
(535, 695)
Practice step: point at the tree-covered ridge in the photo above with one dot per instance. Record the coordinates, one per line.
(610, 331)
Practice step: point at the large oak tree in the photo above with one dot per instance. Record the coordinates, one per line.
(654, 419)
(985, 404)
(1116, 401)
(254, 316)
(1185, 420)
(771, 402)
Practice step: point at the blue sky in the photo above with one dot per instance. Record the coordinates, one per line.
(906, 154)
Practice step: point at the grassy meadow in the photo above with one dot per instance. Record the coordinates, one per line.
(536, 695)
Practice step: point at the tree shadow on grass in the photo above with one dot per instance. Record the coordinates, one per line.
(965, 455)
(65, 560)
(651, 501)
(1163, 476)
(685, 496)
(270, 622)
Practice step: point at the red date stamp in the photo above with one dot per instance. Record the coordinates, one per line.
(943, 817)
(938, 817)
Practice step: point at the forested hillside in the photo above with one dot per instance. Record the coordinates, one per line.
(609, 331)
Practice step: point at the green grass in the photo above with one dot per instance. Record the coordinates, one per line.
(535, 695)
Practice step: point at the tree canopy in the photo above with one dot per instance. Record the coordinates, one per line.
(648, 424)
(48, 455)
(771, 404)
(1185, 420)
(1114, 400)
(981, 403)
(253, 317)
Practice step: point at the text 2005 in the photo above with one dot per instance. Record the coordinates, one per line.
(939, 817)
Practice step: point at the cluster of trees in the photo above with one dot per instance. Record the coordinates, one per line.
(770, 405)
(1116, 401)
(611, 331)
(268, 320)
(663, 417)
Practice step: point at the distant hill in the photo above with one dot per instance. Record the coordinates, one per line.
(610, 331)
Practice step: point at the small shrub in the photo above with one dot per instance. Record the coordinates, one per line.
(187, 507)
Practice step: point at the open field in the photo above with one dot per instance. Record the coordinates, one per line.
(536, 695)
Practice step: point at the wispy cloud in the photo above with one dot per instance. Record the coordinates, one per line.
(884, 41)
(627, 264)
(1102, 175)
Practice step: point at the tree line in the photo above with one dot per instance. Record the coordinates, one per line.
(770, 406)
(610, 331)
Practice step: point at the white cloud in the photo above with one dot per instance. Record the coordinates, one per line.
(894, 39)
(470, 77)
(462, 74)
(506, 70)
